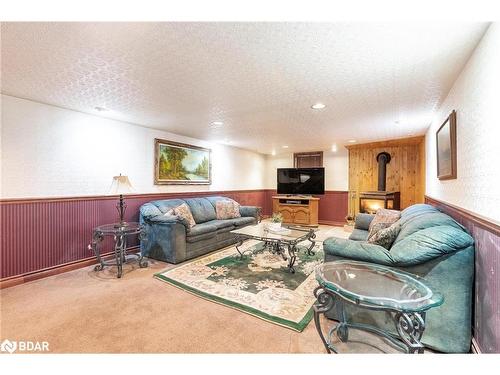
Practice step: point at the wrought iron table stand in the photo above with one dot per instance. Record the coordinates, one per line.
(281, 246)
(120, 234)
(409, 325)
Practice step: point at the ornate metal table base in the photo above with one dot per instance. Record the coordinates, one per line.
(409, 325)
(120, 249)
(281, 247)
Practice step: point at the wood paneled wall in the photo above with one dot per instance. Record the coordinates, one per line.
(41, 234)
(405, 172)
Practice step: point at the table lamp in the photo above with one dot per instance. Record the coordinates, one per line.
(120, 185)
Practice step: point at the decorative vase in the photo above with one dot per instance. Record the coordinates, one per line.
(275, 226)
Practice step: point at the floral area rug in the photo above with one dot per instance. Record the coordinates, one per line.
(258, 283)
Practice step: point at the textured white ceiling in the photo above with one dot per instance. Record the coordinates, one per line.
(260, 79)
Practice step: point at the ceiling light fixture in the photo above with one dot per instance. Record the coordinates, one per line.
(285, 146)
(334, 147)
(318, 106)
(351, 141)
(273, 152)
(217, 123)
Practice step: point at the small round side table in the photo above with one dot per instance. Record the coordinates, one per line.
(120, 232)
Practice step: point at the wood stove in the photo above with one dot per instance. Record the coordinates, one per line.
(371, 201)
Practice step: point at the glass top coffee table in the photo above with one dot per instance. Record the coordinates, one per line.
(371, 286)
(278, 242)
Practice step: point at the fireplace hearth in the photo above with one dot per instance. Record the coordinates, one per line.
(371, 201)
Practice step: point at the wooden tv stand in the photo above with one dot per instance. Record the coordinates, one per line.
(297, 209)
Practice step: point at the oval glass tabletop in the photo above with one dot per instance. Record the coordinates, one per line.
(262, 231)
(378, 286)
(117, 227)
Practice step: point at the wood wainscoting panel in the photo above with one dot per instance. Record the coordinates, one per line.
(486, 233)
(45, 236)
(333, 207)
(41, 234)
(405, 172)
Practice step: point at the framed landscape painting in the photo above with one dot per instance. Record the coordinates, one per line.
(179, 163)
(446, 144)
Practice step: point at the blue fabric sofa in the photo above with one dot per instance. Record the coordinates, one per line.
(432, 245)
(170, 239)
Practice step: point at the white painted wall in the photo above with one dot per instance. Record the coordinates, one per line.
(475, 96)
(49, 151)
(336, 169)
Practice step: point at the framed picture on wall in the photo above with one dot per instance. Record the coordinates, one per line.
(180, 164)
(446, 144)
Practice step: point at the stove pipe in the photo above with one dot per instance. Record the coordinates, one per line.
(383, 159)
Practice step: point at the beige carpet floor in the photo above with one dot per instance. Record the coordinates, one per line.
(83, 311)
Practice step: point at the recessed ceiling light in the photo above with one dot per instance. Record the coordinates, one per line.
(100, 109)
(285, 146)
(351, 141)
(318, 106)
(217, 123)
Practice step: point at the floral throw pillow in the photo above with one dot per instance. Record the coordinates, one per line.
(227, 210)
(385, 237)
(377, 228)
(169, 212)
(184, 212)
(383, 219)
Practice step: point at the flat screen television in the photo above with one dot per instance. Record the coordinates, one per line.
(301, 181)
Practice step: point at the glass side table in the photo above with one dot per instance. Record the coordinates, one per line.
(120, 234)
(407, 297)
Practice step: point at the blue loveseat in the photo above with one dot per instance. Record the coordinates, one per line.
(170, 239)
(432, 245)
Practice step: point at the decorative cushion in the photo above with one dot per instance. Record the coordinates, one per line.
(184, 212)
(227, 210)
(385, 237)
(383, 217)
(169, 212)
(377, 228)
(201, 209)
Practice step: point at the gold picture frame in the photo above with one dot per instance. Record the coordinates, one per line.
(446, 148)
(181, 164)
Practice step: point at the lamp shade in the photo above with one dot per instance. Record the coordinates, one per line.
(120, 185)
